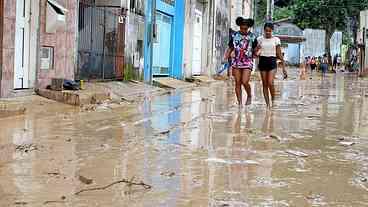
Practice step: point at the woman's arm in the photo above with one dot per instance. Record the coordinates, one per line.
(279, 53)
(280, 56)
(227, 54)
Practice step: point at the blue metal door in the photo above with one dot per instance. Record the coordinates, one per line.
(162, 45)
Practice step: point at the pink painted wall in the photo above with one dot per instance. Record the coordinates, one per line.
(8, 49)
(63, 41)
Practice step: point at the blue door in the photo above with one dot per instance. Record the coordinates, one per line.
(162, 45)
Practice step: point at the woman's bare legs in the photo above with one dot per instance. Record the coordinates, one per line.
(264, 76)
(271, 84)
(245, 81)
(238, 84)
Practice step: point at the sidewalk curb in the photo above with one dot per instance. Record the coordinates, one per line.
(9, 108)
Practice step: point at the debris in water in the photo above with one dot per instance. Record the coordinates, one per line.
(347, 144)
(297, 153)
(48, 202)
(246, 162)
(275, 137)
(21, 203)
(103, 128)
(168, 174)
(105, 146)
(165, 132)
(85, 180)
(204, 99)
(54, 173)
(26, 148)
(130, 183)
(181, 145)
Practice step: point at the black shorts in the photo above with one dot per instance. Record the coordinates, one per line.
(267, 63)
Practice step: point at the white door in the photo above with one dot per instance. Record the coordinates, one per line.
(197, 44)
(21, 66)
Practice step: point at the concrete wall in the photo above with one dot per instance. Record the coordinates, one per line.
(64, 43)
(134, 44)
(222, 25)
(292, 54)
(240, 8)
(190, 7)
(315, 42)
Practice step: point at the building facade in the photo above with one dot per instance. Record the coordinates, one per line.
(39, 43)
(362, 41)
(164, 30)
(206, 33)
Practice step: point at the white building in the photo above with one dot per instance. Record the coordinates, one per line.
(206, 33)
(315, 43)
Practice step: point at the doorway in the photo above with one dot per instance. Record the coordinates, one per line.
(162, 45)
(197, 44)
(100, 42)
(22, 40)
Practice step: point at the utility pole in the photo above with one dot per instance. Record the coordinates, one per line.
(270, 9)
(254, 9)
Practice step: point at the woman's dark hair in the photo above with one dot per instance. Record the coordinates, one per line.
(240, 21)
(269, 25)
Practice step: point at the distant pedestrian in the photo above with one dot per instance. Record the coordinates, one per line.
(313, 64)
(281, 64)
(324, 65)
(334, 62)
(339, 62)
(270, 51)
(242, 48)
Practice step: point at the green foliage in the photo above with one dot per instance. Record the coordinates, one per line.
(283, 13)
(261, 11)
(329, 15)
(128, 72)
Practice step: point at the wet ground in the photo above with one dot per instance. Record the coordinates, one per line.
(194, 148)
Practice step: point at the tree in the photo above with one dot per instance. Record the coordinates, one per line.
(283, 13)
(329, 15)
(261, 11)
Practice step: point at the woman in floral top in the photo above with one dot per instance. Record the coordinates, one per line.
(241, 51)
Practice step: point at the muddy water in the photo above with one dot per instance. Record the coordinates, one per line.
(195, 148)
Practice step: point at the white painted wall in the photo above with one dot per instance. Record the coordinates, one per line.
(315, 42)
(364, 26)
(34, 35)
(190, 8)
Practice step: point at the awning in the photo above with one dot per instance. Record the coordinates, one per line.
(291, 39)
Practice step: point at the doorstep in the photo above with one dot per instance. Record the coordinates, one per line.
(93, 94)
(203, 79)
(172, 83)
(11, 107)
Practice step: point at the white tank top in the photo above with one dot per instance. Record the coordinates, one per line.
(268, 46)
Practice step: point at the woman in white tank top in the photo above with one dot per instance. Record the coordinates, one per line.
(270, 50)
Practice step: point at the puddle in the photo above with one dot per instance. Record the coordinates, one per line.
(195, 148)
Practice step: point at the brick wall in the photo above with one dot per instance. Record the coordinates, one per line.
(7, 72)
(1, 38)
(63, 41)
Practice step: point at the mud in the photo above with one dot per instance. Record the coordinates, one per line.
(194, 148)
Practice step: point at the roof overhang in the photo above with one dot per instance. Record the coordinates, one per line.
(291, 39)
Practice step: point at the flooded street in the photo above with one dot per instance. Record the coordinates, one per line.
(194, 148)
